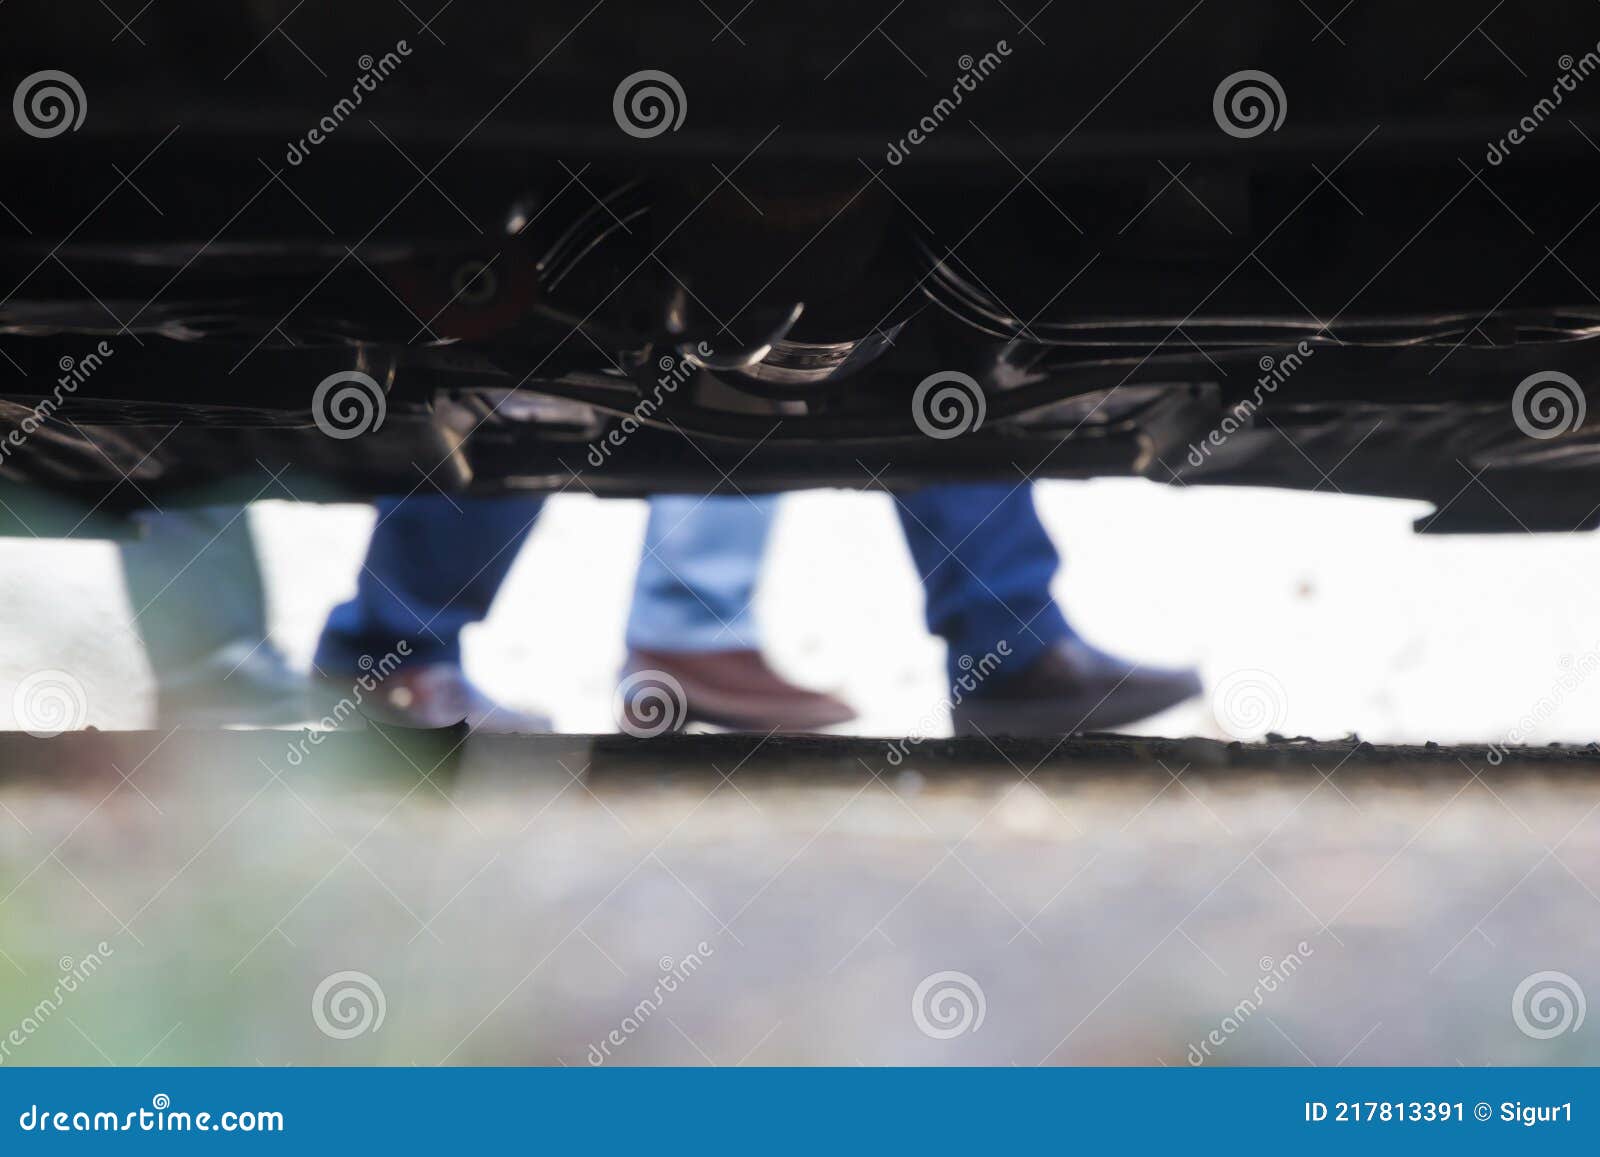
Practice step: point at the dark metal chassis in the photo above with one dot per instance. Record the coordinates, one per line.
(1110, 268)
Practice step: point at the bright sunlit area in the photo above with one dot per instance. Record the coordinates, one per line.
(1323, 613)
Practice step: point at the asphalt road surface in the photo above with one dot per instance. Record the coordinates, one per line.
(399, 899)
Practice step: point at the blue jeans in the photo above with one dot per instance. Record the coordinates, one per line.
(697, 573)
(986, 562)
(984, 558)
(430, 570)
(195, 585)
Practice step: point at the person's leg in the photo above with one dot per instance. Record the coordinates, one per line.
(433, 567)
(986, 563)
(1015, 665)
(201, 557)
(693, 648)
(195, 586)
(696, 585)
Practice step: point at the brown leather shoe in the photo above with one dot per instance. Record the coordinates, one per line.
(1072, 687)
(429, 695)
(663, 690)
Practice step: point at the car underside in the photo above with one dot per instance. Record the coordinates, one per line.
(633, 248)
